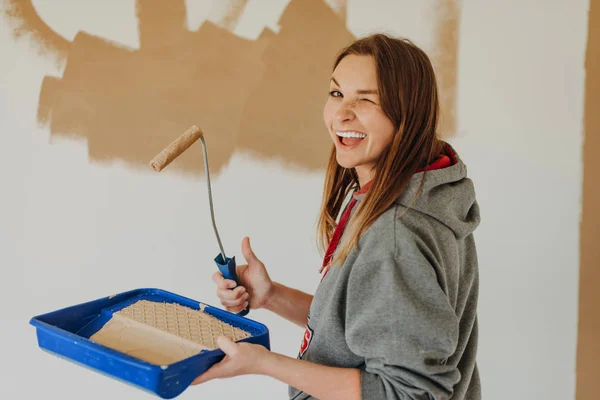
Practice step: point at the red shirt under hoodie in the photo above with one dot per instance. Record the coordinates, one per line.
(446, 159)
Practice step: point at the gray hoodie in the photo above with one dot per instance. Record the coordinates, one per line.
(402, 307)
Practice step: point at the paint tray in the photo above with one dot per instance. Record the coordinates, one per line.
(179, 335)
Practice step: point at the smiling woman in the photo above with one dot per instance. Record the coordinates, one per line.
(395, 314)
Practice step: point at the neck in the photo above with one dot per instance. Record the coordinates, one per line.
(365, 174)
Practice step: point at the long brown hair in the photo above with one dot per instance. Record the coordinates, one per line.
(409, 97)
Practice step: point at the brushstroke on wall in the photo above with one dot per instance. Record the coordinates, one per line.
(588, 347)
(445, 59)
(262, 96)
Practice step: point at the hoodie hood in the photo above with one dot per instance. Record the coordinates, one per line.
(447, 195)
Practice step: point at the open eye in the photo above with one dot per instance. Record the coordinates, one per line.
(335, 93)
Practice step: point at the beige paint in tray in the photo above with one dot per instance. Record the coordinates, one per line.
(163, 333)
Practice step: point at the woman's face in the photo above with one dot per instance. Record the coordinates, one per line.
(356, 122)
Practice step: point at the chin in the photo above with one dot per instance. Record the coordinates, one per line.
(345, 162)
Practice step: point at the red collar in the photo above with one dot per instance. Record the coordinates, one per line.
(446, 159)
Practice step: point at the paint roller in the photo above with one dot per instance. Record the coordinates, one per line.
(226, 265)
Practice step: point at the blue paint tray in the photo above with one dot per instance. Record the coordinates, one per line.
(75, 333)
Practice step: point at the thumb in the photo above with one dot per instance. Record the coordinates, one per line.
(247, 250)
(227, 345)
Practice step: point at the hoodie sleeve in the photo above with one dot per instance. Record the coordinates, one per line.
(400, 321)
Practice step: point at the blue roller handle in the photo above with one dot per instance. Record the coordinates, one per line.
(228, 269)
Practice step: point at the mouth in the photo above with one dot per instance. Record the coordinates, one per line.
(350, 139)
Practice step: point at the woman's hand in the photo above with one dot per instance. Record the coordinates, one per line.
(255, 288)
(240, 359)
(320, 381)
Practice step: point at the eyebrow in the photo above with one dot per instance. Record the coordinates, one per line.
(361, 91)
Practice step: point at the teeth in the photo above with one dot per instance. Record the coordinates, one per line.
(351, 134)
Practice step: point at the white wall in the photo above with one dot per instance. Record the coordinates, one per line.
(72, 231)
(521, 100)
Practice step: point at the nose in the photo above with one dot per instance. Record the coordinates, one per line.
(344, 111)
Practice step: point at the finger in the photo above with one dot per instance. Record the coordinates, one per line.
(218, 278)
(236, 310)
(214, 372)
(228, 346)
(237, 302)
(226, 294)
(247, 250)
(221, 282)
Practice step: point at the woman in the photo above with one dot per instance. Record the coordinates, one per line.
(394, 316)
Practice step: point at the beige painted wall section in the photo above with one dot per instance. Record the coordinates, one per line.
(263, 96)
(588, 348)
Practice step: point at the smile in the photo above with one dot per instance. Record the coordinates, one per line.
(349, 139)
(351, 134)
